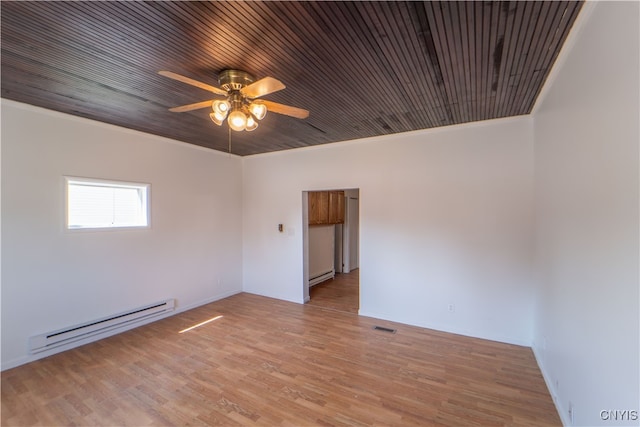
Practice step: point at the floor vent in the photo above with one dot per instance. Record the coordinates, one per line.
(383, 329)
(60, 337)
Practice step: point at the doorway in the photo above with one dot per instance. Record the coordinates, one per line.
(332, 258)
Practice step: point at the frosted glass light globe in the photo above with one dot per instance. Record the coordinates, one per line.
(258, 110)
(237, 120)
(252, 124)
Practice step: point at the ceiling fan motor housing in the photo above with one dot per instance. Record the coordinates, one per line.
(231, 80)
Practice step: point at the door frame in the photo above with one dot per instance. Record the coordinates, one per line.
(349, 205)
(305, 235)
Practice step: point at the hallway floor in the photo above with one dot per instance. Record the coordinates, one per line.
(341, 293)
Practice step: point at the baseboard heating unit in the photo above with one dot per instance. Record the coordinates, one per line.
(322, 277)
(43, 342)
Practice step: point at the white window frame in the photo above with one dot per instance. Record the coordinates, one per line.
(144, 190)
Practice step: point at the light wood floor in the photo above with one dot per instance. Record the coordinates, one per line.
(269, 362)
(341, 293)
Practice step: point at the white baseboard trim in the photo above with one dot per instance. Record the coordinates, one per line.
(564, 418)
(215, 298)
(441, 328)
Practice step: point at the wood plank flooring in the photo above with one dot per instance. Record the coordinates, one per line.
(341, 293)
(269, 362)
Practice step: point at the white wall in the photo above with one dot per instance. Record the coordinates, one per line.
(586, 162)
(445, 218)
(52, 278)
(321, 249)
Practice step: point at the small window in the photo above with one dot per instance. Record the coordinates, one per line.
(93, 203)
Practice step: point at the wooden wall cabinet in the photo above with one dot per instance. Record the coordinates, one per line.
(318, 207)
(326, 207)
(336, 207)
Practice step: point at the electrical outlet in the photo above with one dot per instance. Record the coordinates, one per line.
(572, 413)
(452, 308)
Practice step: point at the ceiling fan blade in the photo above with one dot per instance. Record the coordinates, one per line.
(190, 107)
(287, 110)
(192, 82)
(262, 87)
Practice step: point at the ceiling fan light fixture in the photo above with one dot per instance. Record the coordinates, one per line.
(259, 110)
(241, 108)
(252, 123)
(237, 120)
(217, 118)
(220, 110)
(221, 107)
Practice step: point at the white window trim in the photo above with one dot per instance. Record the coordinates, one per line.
(146, 202)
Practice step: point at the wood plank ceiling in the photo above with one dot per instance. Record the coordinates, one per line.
(361, 68)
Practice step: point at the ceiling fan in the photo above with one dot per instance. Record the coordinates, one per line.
(240, 105)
